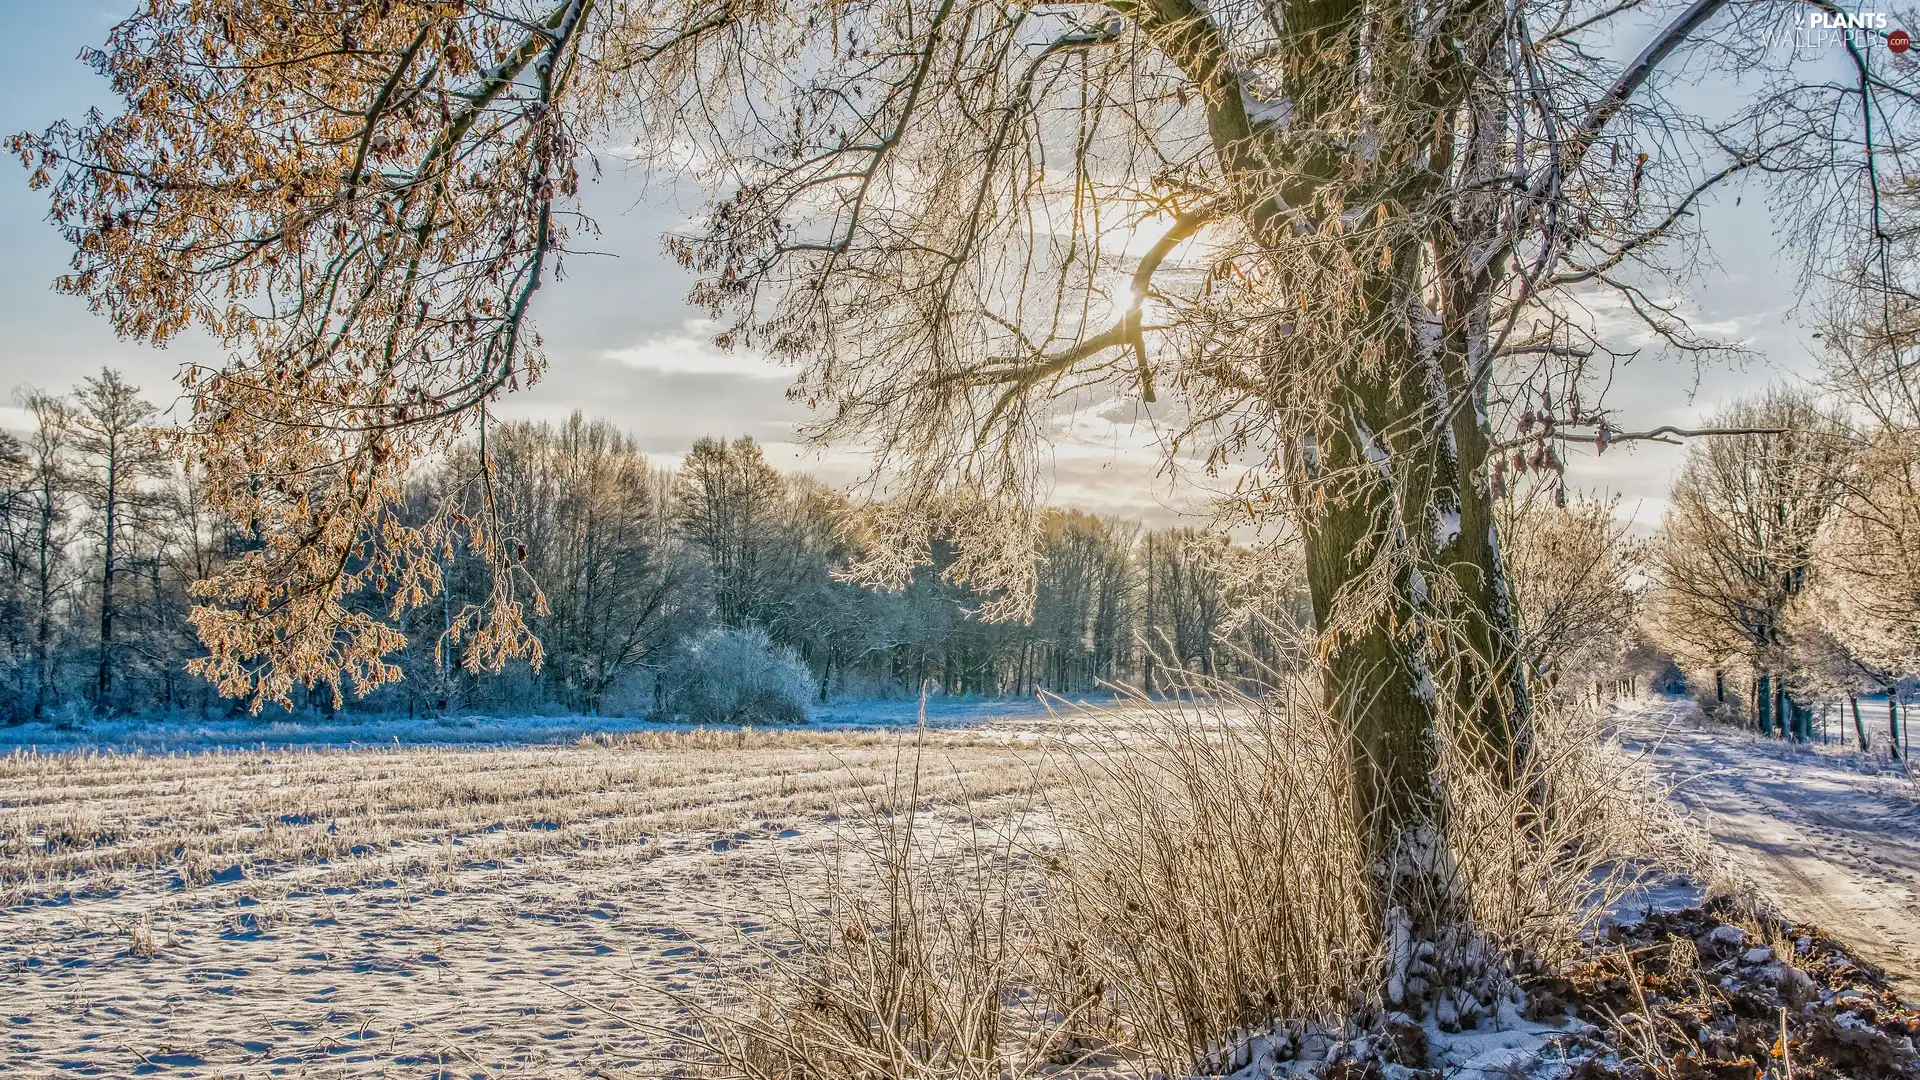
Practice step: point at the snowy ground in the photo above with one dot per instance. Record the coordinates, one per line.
(349, 731)
(1829, 834)
(418, 912)
(445, 910)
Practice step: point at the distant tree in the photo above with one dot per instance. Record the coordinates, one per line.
(1572, 569)
(1864, 605)
(1083, 611)
(16, 596)
(1187, 595)
(736, 676)
(51, 496)
(116, 461)
(594, 518)
(835, 624)
(1738, 541)
(728, 505)
(201, 539)
(1869, 579)
(1868, 587)
(1268, 631)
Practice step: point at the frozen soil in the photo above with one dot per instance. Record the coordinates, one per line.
(1700, 991)
(1713, 993)
(420, 912)
(1829, 835)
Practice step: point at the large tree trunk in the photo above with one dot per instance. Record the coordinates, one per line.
(1370, 608)
(1377, 686)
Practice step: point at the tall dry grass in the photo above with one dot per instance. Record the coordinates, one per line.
(908, 962)
(1209, 876)
(1190, 879)
(1540, 861)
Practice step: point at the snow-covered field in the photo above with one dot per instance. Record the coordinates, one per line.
(1830, 835)
(346, 730)
(416, 911)
(409, 906)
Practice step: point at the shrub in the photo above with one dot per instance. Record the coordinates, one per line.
(736, 677)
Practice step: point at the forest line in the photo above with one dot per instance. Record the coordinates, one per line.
(105, 534)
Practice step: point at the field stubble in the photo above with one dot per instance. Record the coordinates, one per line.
(426, 911)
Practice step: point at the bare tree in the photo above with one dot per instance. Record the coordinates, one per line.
(48, 446)
(1083, 603)
(1739, 538)
(1572, 568)
(1188, 596)
(116, 461)
(835, 624)
(16, 549)
(1867, 595)
(728, 504)
(596, 522)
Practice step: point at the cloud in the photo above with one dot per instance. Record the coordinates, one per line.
(691, 350)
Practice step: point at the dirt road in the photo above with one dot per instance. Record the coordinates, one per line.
(1833, 836)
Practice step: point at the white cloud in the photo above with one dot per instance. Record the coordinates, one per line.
(691, 351)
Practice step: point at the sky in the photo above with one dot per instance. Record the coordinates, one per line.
(624, 345)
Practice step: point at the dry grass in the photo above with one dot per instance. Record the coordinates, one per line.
(908, 962)
(1209, 879)
(1199, 883)
(1541, 879)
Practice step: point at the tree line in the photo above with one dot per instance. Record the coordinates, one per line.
(1786, 568)
(105, 534)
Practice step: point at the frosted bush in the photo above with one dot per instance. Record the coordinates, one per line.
(736, 677)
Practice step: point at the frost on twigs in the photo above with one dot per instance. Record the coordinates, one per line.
(358, 202)
(991, 544)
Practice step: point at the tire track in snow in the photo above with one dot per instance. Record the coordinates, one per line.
(1828, 837)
